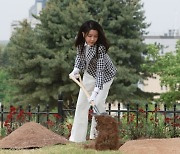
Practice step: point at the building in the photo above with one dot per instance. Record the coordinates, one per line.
(167, 43)
(37, 7)
(34, 10)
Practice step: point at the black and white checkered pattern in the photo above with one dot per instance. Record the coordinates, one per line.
(98, 65)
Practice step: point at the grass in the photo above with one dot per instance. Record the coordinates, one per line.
(71, 148)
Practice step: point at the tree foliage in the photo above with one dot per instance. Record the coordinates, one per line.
(3, 56)
(125, 27)
(43, 57)
(24, 58)
(6, 89)
(167, 66)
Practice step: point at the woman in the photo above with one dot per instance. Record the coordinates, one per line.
(99, 72)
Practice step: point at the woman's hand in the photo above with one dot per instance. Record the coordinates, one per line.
(74, 73)
(94, 94)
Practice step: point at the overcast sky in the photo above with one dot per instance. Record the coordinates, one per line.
(12, 10)
(162, 14)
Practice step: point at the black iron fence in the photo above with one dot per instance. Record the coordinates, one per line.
(42, 115)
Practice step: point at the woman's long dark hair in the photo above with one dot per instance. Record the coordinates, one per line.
(86, 27)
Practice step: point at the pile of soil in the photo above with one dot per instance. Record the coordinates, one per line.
(152, 146)
(31, 135)
(108, 136)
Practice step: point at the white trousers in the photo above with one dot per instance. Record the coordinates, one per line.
(80, 124)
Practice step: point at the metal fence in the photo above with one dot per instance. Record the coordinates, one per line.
(8, 116)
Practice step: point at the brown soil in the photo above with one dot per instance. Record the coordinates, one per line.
(108, 138)
(152, 146)
(31, 135)
(34, 135)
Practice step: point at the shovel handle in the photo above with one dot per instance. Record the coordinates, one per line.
(80, 83)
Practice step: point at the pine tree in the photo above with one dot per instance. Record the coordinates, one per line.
(26, 66)
(60, 21)
(123, 21)
(3, 56)
(6, 89)
(124, 26)
(43, 57)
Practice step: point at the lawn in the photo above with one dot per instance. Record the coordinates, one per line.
(71, 148)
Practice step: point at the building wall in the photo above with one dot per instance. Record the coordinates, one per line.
(154, 85)
(168, 43)
(36, 9)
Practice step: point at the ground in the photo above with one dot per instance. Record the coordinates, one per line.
(33, 135)
(152, 146)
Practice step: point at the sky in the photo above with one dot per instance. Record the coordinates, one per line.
(162, 14)
(12, 10)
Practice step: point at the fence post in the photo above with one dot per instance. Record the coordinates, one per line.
(128, 112)
(12, 116)
(165, 109)
(146, 112)
(174, 121)
(137, 114)
(60, 107)
(29, 112)
(47, 115)
(119, 107)
(109, 106)
(20, 110)
(38, 110)
(2, 115)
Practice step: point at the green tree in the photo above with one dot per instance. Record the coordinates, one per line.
(167, 66)
(6, 88)
(124, 25)
(43, 57)
(27, 66)
(60, 21)
(2, 85)
(3, 56)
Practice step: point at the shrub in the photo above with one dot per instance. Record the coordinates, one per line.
(151, 125)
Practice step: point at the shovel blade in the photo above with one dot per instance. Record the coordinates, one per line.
(97, 112)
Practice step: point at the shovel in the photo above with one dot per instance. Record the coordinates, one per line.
(79, 82)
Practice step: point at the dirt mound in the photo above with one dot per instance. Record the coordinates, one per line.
(108, 136)
(152, 146)
(31, 135)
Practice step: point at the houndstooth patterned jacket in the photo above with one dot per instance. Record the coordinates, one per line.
(99, 65)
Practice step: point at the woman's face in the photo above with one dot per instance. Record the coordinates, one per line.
(91, 37)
